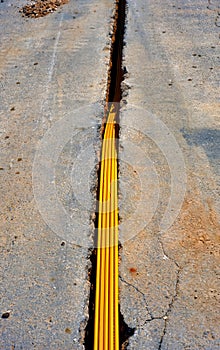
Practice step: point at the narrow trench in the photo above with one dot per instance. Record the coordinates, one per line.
(113, 94)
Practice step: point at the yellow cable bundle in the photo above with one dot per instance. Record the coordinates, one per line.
(106, 327)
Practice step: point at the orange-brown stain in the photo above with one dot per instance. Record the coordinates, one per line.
(133, 271)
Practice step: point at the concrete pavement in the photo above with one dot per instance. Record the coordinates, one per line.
(49, 67)
(53, 74)
(170, 275)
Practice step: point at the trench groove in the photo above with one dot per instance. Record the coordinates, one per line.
(113, 98)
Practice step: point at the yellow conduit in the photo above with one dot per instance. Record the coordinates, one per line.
(106, 327)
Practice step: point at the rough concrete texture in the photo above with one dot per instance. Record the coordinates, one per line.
(169, 276)
(49, 67)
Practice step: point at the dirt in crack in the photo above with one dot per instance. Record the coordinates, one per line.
(115, 74)
(114, 94)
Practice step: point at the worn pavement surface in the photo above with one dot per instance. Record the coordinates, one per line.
(53, 74)
(169, 273)
(49, 67)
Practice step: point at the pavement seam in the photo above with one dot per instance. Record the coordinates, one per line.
(106, 326)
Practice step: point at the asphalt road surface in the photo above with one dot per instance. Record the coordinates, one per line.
(53, 80)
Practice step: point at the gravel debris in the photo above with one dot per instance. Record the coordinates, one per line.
(41, 8)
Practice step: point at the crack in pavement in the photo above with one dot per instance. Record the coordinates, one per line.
(138, 290)
(166, 255)
(176, 290)
(169, 310)
(166, 315)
